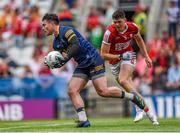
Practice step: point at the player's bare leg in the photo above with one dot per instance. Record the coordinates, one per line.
(75, 85)
(125, 75)
(139, 112)
(128, 76)
(100, 85)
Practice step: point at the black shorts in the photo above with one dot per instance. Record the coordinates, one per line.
(95, 70)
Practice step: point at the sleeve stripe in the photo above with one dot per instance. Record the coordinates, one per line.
(71, 37)
(106, 36)
(106, 43)
(69, 32)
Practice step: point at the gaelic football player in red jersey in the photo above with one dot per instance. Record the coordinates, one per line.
(117, 48)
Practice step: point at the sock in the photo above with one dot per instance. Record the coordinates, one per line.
(149, 114)
(146, 109)
(127, 95)
(81, 114)
(137, 108)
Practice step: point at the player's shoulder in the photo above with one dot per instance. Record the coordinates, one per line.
(64, 29)
(132, 27)
(111, 29)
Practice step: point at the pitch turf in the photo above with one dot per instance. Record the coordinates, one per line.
(98, 125)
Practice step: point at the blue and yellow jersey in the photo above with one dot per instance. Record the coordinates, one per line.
(86, 53)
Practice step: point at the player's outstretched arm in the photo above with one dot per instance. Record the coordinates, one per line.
(143, 49)
(105, 52)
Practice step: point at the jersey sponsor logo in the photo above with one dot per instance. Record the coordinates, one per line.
(97, 68)
(125, 38)
(117, 38)
(121, 46)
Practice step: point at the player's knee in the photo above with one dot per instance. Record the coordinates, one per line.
(71, 91)
(103, 93)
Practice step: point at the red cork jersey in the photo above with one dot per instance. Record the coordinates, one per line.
(120, 42)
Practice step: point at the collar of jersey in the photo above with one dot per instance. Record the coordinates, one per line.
(122, 32)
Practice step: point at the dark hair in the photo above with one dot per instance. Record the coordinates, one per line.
(51, 17)
(119, 13)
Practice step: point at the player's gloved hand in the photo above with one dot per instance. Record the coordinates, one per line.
(57, 64)
(127, 56)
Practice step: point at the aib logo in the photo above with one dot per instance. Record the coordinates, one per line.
(12, 112)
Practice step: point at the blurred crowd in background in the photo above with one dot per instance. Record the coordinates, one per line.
(23, 45)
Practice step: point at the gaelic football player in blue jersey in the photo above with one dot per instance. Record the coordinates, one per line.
(90, 66)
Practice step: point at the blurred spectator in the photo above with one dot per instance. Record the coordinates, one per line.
(65, 16)
(25, 8)
(167, 42)
(1, 39)
(92, 19)
(4, 70)
(75, 12)
(173, 76)
(109, 11)
(95, 27)
(6, 18)
(6, 25)
(28, 72)
(154, 46)
(101, 14)
(12, 4)
(140, 18)
(96, 36)
(70, 3)
(17, 29)
(178, 40)
(143, 76)
(39, 47)
(160, 71)
(145, 85)
(33, 28)
(173, 16)
(36, 63)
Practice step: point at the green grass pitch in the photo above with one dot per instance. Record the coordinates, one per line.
(98, 125)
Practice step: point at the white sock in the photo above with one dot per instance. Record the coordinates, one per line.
(81, 114)
(129, 95)
(137, 108)
(149, 114)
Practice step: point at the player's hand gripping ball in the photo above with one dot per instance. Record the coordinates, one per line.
(54, 59)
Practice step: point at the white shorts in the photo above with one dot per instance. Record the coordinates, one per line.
(115, 69)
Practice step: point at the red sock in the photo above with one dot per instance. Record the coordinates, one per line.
(146, 109)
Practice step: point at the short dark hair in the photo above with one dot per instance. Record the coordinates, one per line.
(51, 17)
(119, 13)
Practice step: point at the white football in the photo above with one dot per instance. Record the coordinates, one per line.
(53, 57)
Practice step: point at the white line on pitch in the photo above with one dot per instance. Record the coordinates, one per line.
(35, 125)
